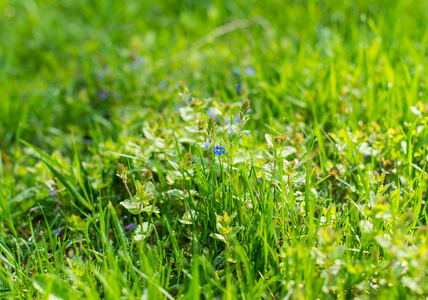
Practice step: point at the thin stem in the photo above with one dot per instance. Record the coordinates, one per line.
(129, 192)
(184, 198)
(141, 223)
(242, 125)
(227, 243)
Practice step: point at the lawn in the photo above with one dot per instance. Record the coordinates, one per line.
(213, 149)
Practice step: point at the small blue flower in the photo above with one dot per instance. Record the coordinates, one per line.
(139, 62)
(238, 88)
(211, 113)
(232, 130)
(250, 71)
(207, 144)
(52, 192)
(219, 150)
(249, 111)
(247, 132)
(236, 119)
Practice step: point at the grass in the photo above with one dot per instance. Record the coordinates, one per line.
(335, 208)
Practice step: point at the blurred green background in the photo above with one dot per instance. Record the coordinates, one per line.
(76, 66)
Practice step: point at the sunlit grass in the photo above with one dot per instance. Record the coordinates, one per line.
(315, 188)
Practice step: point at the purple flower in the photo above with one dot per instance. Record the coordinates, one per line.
(129, 226)
(52, 192)
(59, 233)
(103, 95)
(219, 150)
(236, 119)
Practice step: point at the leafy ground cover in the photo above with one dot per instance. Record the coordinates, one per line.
(213, 149)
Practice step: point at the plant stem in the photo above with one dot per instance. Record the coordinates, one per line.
(184, 198)
(129, 192)
(141, 222)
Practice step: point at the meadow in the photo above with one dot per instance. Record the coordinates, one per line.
(213, 149)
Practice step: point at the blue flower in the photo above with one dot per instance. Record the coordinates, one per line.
(236, 119)
(236, 71)
(212, 113)
(207, 144)
(232, 130)
(250, 71)
(219, 150)
(247, 132)
(238, 88)
(250, 110)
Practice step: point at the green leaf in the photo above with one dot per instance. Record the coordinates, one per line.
(5, 211)
(174, 165)
(68, 186)
(148, 133)
(269, 140)
(125, 155)
(287, 151)
(145, 233)
(137, 207)
(218, 237)
(241, 157)
(76, 265)
(265, 155)
(189, 217)
(54, 287)
(179, 193)
(192, 129)
(187, 113)
(44, 155)
(233, 232)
